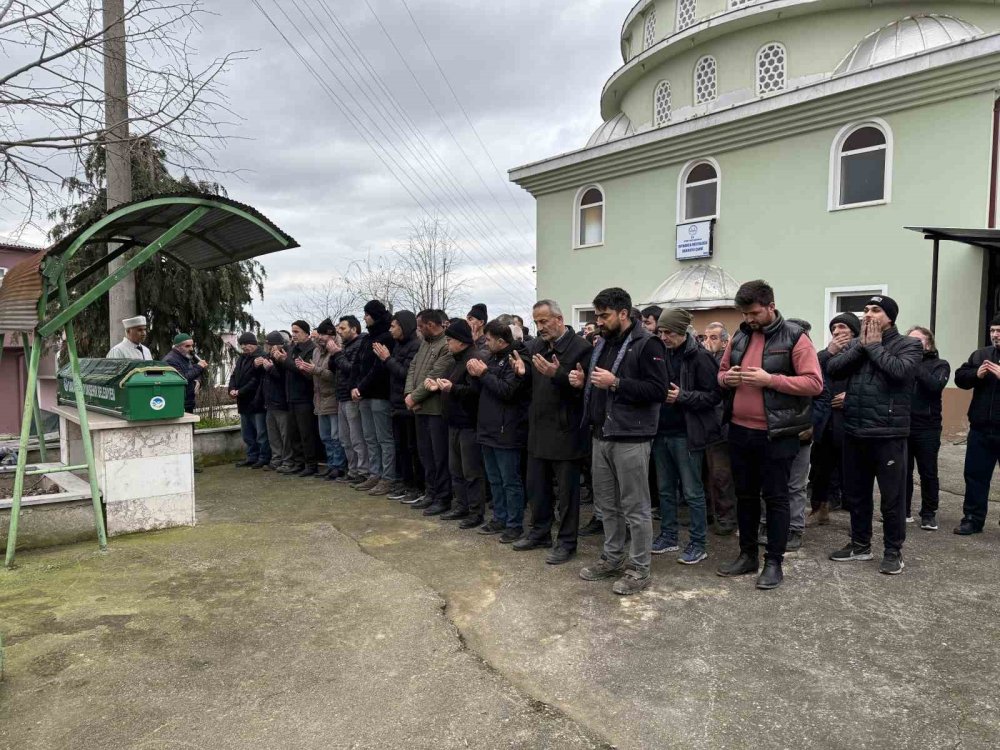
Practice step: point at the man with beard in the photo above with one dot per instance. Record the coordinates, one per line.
(624, 386)
(302, 429)
(342, 356)
(371, 391)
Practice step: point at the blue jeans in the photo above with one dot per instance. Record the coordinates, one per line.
(253, 429)
(376, 425)
(675, 464)
(503, 470)
(329, 435)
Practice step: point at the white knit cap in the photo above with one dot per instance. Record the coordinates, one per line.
(138, 320)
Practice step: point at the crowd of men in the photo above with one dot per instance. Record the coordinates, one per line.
(459, 417)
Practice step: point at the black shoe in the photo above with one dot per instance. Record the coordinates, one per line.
(594, 527)
(523, 545)
(762, 536)
(892, 563)
(771, 577)
(308, 471)
(258, 466)
(436, 509)
(794, 541)
(509, 536)
(455, 514)
(335, 475)
(491, 527)
(427, 502)
(351, 477)
(967, 527)
(929, 522)
(241, 464)
(471, 522)
(741, 566)
(559, 555)
(724, 528)
(852, 552)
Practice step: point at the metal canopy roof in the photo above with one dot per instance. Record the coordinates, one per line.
(985, 238)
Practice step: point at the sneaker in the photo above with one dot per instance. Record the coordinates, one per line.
(601, 570)
(491, 527)
(631, 583)
(966, 527)
(892, 563)
(794, 541)
(664, 543)
(412, 498)
(398, 491)
(422, 503)
(382, 487)
(929, 523)
(509, 536)
(694, 553)
(909, 519)
(594, 527)
(852, 552)
(351, 477)
(369, 484)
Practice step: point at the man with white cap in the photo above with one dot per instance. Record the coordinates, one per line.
(131, 347)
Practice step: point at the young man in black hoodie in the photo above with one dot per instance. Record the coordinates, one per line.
(403, 329)
(371, 391)
(343, 352)
(924, 443)
(303, 430)
(245, 387)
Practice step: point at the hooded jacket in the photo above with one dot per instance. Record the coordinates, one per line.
(460, 405)
(398, 365)
(247, 380)
(370, 375)
(433, 360)
(502, 419)
(343, 364)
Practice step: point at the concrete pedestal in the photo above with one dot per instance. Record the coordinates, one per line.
(145, 469)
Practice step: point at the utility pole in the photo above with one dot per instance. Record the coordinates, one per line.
(121, 298)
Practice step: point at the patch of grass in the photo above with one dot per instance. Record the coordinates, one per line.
(208, 423)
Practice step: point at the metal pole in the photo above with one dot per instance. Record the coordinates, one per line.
(81, 407)
(39, 431)
(22, 451)
(934, 285)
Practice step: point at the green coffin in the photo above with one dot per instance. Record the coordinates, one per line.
(136, 390)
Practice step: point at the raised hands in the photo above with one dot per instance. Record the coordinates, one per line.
(543, 366)
(577, 377)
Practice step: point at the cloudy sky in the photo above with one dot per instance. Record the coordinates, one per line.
(528, 74)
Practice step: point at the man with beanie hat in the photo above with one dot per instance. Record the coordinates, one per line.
(245, 387)
(325, 404)
(477, 319)
(687, 425)
(181, 358)
(828, 447)
(879, 367)
(409, 472)
(275, 403)
(302, 427)
(371, 392)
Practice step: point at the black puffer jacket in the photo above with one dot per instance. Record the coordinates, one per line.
(247, 380)
(984, 411)
(398, 364)
(879, 384)
(460, 405)
(371, 377)
(298, 385)
(503, 402)
(342, 363)
(931, 378)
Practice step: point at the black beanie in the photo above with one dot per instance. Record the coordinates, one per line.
(888, 304)
(407, 322)
(459, 330)
(274, 338)
(326, 328)
(303, 325)
(376, 309)
(247, 338)
(478, 312)
(850, 320)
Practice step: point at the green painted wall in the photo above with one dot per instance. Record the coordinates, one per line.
(774, 223)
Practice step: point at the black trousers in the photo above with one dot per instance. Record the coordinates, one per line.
(465, 461)
(303, 431)
(408, 466)
(761, 469)
(922, 449)
(867, 460)
(827, 467)
(982, 451)
(432, 443)
(546, 503)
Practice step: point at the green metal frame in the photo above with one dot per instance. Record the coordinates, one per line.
(55, 284)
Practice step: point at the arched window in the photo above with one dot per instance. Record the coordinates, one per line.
(661, 104)
(705, 80)
(861, 168)
(589, 229)
(686, 11)
(699, 191)
(649, 29)
(771, 67)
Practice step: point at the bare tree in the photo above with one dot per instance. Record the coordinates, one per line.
(363, 280)
(317, 302)
(52, 93)
(426, 278)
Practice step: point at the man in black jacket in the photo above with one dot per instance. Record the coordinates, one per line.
(624, 386)
(303, 431)
(182, 359)
(275, 403)
(879, 367)
(371, 391)
(981, 375)
(688, 423)
(558, 438)
(409, 471)
(342, 356)
(245, 387)
(502, 428)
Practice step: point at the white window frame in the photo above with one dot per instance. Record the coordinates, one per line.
(577, 317)
(833, 197)
(649, 34)
(784, 80)
(694, 80)
(678, 25)
(682, 190)
(832, 293)
(670, 110)
(576, 215)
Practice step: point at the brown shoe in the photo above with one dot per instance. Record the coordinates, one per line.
(367, 485)
(382, 488)
(819, 517)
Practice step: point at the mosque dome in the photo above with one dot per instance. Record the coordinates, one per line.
(697, 287)
(907, 36)
(617, 127)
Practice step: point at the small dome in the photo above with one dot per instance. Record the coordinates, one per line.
(617, 127)
(907, 36)
(697, 287)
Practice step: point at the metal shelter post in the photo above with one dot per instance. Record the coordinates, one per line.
(39, 432)
(934, 284)
(22, 451)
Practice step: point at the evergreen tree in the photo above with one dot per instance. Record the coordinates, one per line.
(173, 297)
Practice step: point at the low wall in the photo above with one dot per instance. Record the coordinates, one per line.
(218, 441)
(49, 525)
